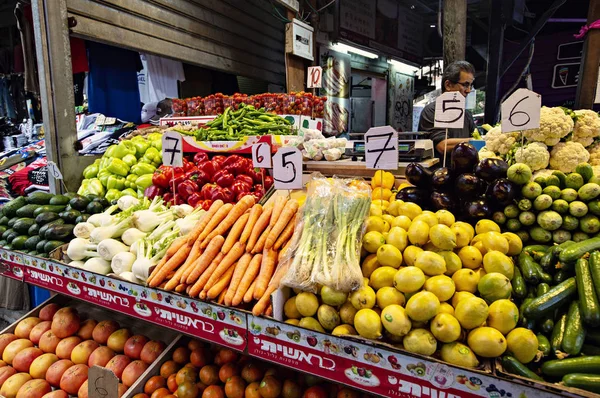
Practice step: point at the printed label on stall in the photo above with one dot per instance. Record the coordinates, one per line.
(11, 265)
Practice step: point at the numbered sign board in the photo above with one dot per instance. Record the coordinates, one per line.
(172, 149)
(314, 77)
(450, 111)
(54, 171)
(521, 111)
(287, 168)
(381, 148)
(261, 156)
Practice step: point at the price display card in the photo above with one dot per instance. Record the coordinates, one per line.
(287, 168)
(450, 111)
(381, 148)
(314, 77)
(261, 156)
(54, 170)
(172, 149)
(521, 111)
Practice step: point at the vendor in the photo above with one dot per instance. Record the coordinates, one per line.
(458, 76)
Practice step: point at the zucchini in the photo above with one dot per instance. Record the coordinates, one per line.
(588, 382)
(23, 224)
(512, 365)
(4, 220)
(6, 233)
(27, 210)
(525, 322)
(547, 325)
(33, 230)
(539, 249)
(10, 209)
(542, 289)
(576, 251)
(544, 345)
(39, 198)
(2, 229)
(51, 245)
(48, 208)
(59, 200)
(548, 258)
(561, 367)
(59, 232)
(43, 229)
(40, 246)
(79, 203)
(574, 331)
(12, 221)
(70, 195)
(529, 268)
(545, 277)
(12, 236)
(70, 217)
(594, 264)
(94, 208)
(82, 218)
(18, 243)
(588, 301)
(45, 218)
(519, 288)
(551, 300)
(31, 243)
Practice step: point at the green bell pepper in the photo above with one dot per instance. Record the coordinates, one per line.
(130, 181)
(110, 152)
(142, 168)
(154, 137)
(113, 194)
(153, 156)
(115, 182)
(103, 163)
(124, 148)
(83, 189)
(157, 144)
(129, 192)
(96, 188)
(141, 145)
(91, 171)
(103, 176)
(129, 160)
(117, 166)
(144, 181)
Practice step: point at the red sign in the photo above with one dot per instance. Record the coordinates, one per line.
(11, 265)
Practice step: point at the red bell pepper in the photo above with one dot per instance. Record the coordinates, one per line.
(240, 186)
(208, 167)
(200, 157)
(268, 182)
(217, 194)
(231, 159)
(245, 178)
(198, 176)
(228, 195)
(186, 189)
(207, 190)
(168, 198)
(219, 159)
(162, 176)
(188, 166)
(153, 191)
(257, 175)
(194, 199)
(205, 204)
(223, 178)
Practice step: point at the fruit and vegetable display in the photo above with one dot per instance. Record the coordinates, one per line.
(204, 179)
(55, 350)
(198, 370)
(41, 222)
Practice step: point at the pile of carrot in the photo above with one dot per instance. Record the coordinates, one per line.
(232, 253)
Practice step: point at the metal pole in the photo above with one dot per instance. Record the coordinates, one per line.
(455, 30)
(590, 60)
(495, 48)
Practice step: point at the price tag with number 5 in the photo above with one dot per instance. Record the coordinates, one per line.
(521, 111)
(172, 149)
(381, 148)
(261, 156)
(287, 168)
(450, 111)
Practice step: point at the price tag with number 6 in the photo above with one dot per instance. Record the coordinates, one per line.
(521, 111)
(287, 168)
(261, 156)
(172, 149)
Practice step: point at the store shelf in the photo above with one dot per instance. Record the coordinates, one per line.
(357, 168)
(369, 366)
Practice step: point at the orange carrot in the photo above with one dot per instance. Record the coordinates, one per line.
(260, 244)
(204, 260)
(175, 246)
(239, 272)
(269, 310)
(170, 275)
(249, 293)
(162, 285)
(214, 221)
(221, 297)
(265, 300)
(234, 254)
(288, 213)
(221, 284)
(234, 214)
(174, 262)
(235, 233)
(247, 279)
(199, 285)
(181, 287)
(267, 267)
(255, 213)
(287, 233)
(194, 253)
(280, 202)
(259, 227)
(206, 218)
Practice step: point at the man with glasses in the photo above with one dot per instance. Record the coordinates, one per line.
(458, 76)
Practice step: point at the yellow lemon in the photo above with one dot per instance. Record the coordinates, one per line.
(290, 310)
(459, 296)
(471, 312)
(463, 237)
(395, 320)
(388, 218)
(393, 208)
(368, 324)
(363, 298)
(503, 316)
(442, 237)
(430, 263)
(397, 237)
(402, 222)
(427, 217)
(446, 308)
(410, 254)
(495, 261)
(376, 223)
(389, 255)
(369, 265)
(420, 341)
(442, 286)
(375, 210)
(484, 226)
(453, 262)
(494, 241)
(382, 277)
(389, 295)
(422, 306)
(466, 280)
(418, 233)
(344, 329)
(409, 279)
(470, 257)
(515, 245)
(458, 354)
(445, 328)
(383, 179)
(430, 247)
(372, 241)
(479, 246)
(468, 227)
(523, 344)
(487, 342)
(409, 209)
(404, 185)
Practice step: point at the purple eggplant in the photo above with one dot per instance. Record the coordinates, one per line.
(490, 169)
(502, 191)
(442, 201)
(418, 175)
(442, 180)
(464, 158)
(468, 186)
(477, 209)
(413, 194)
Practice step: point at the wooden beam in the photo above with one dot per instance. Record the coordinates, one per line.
(295, 74)
(455, 30)
(590, 60)
(495, 49)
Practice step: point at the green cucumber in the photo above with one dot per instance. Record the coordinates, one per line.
(39, 198)
(561, 276)
(529, 268)
(588, 301)
(27, 210)
(10, 209)
(512, 365)
(51, 245)
(573, 252)
(594, 264)
(574, 331)
(548, 258)
(561, 367)
(48, 208)
(23, 224)
(547, 325)
(588, 382)
(545, 277)
(45, 218)
(542, 289)
(535, 248)
(551, 300)
(519, 288)
(544, 344)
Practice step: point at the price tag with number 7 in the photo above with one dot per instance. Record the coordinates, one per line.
(521, 111)
(381, 148)
(287, 168)
(172, 149)
(261, 156)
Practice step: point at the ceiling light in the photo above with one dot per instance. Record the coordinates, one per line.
(432, 25)
(344, 48)
(403, 67)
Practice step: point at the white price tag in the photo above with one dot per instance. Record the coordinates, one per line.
(381, 148)
(54, 171)
(450, 111)
(287, 168)
(261, 156)
(314, 77)
(172, 149)
(521, 111)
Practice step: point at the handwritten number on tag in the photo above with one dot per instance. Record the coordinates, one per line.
(513, 114)
(385, 148)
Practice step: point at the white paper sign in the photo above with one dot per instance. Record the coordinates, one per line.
(54, 171)
(314, 77)
(450, 111)
(287, 168)
(261, 156)
(521, 111)
(381, 148)
(172, 149)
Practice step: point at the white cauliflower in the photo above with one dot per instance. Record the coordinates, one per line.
(596, 170)
(486, 153)
(587, 127)
(499, 143)
(594, 151)
(554, 125)
(535, 155)
(565, 156)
